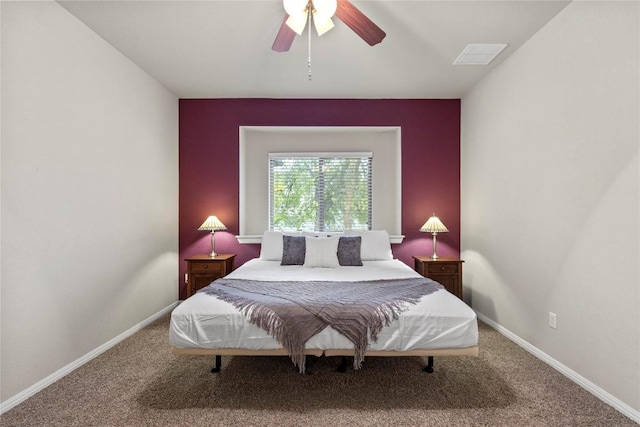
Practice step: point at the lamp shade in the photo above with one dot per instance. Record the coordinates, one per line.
(212, 224)
(325, 8)
(322, 23)
(297, 22)
(434, 225)
(295, 7)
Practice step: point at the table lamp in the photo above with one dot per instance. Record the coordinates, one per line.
(434, 226)
(212, 224)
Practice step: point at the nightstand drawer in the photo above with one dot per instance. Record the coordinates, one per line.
(207, 267)
(443, 268)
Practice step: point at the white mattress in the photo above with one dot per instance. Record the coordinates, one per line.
(439, 320)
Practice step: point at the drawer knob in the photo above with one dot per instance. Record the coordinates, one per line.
(206, 266)
(441, 268)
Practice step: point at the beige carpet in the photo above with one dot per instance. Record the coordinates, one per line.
(140, 383)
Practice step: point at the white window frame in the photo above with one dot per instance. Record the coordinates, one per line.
(256, 142)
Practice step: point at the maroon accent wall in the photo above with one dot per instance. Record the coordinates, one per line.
(209, 165)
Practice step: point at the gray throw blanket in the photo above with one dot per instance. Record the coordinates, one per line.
(293, 312)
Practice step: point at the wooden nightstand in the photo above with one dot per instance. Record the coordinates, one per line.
(446, 271)
(204, 269)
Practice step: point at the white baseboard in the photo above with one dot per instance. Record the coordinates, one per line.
(567, 372)
(40, 385)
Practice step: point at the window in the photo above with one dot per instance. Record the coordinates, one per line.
(256, 142)
(320, 191)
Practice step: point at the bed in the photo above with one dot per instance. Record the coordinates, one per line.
(434, 324)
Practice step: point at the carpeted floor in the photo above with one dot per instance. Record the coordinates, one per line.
(140, 383)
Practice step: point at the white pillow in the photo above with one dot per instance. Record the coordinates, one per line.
(271, 248)
(321, 252)
(322, 233)
(375, 246)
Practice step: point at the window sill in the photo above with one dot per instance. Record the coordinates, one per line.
(258, 239)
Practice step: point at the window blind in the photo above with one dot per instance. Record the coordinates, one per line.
(320, 191)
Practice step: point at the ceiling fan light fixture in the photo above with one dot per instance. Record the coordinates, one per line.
(297, 22)
(295, 7)
(322, 24)
(322, 11)
(324, 8)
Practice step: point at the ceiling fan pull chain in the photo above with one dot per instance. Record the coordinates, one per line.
(309, 56)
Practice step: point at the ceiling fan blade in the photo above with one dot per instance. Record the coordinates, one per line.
(359, 23)
(284, 38)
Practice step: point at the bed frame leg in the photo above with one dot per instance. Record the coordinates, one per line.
(216, 367)
(343, 364)
(429, 367)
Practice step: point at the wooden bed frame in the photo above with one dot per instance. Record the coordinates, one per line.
(218, 353)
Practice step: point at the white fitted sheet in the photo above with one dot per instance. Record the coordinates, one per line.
(438, 320)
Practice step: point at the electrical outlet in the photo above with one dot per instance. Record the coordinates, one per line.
(553, 320)
(186, 278)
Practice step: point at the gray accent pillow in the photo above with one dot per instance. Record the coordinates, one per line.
(293, 250)
(349, 251)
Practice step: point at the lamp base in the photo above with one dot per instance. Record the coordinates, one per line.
(435, 243)
(213, 245)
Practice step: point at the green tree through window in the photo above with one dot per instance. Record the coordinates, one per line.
(320, 192)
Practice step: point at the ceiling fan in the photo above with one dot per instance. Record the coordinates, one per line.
(301, 11)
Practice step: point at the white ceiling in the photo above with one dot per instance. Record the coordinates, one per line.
(222, 49)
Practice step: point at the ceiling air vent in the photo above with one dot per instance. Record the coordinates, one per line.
(478, 54)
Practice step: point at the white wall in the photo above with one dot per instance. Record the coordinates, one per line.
(89, 193)
(550, 194)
